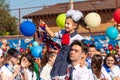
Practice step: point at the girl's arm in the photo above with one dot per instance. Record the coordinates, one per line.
(49, 31)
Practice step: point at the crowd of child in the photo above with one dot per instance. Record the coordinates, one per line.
(74, 61)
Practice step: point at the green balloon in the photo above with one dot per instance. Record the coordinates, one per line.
(60, 20)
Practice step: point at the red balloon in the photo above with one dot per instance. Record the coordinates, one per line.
(21, 50)
(117, 15)
(110, 47)
(88, 45)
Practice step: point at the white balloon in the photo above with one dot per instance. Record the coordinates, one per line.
(93, 20)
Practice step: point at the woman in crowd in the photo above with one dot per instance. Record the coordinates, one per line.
(27, 67)
(96, 68)
(111, 70)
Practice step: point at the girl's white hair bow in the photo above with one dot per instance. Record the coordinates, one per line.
(75, 14)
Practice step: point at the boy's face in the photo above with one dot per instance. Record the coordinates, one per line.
(92, 51)
(76, 53)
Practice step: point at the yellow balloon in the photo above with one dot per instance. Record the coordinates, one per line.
(7, 33)
(93, 20)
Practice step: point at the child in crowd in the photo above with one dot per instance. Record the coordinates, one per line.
(92, 51)
(5, 45)
(74, 18)
(45, 73)
(10, 68)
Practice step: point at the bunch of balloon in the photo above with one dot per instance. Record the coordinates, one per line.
(36, 50)
(112, 49)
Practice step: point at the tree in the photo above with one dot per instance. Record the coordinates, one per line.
(8, 23)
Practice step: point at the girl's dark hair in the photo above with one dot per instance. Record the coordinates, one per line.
(80, 22)
(96, 65)
(30, 58)
(110, 55)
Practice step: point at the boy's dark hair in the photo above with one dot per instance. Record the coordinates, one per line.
(92, 46)
(81, 44)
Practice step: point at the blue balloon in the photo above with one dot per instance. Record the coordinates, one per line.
(35, 43)
(112, 32)
(37, 51)
(107, 51)
(27, 28)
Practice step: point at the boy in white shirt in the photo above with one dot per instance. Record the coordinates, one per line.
(78, 50)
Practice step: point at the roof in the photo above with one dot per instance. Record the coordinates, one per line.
(82, 6)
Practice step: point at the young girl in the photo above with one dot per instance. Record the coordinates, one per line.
(27, 67)
(68, 35)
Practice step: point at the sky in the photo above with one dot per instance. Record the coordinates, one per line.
(14, 4)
